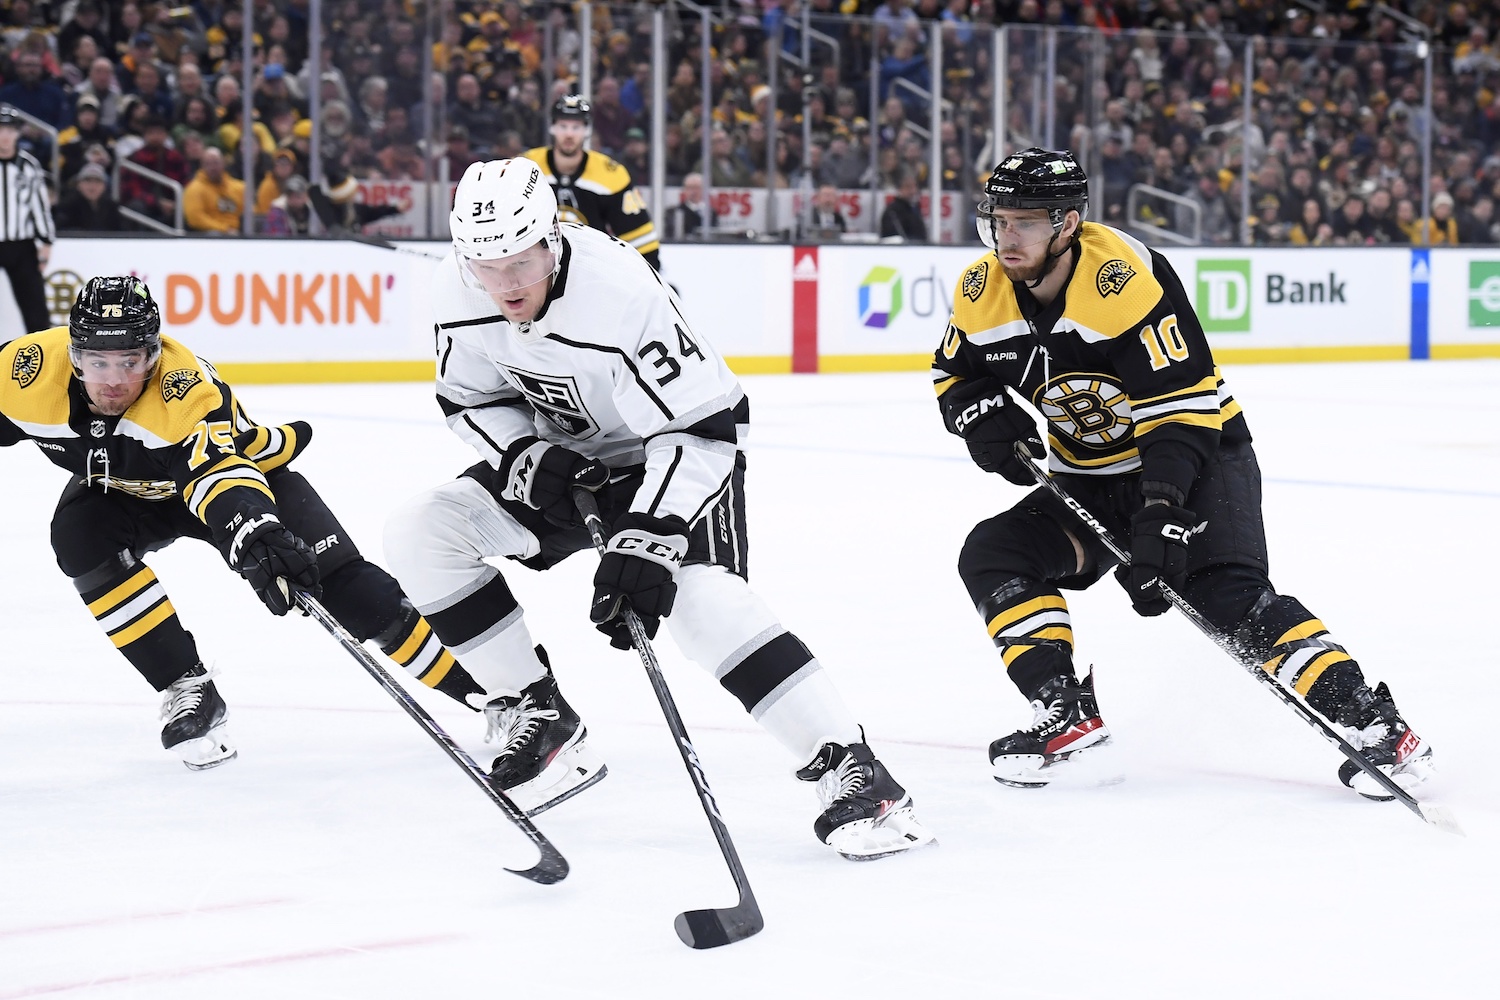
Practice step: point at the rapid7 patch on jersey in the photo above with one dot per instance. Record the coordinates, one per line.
(557, 398)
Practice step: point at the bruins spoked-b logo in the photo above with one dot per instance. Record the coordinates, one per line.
(176, 384)
(1089, 408)
(557, 398)
(1113, 276)
(972, 285)
(62, 288)
(28, 365)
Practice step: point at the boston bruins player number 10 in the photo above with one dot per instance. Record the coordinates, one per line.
(1095, 331)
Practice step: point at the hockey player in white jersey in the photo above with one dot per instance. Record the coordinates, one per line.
(565, 361)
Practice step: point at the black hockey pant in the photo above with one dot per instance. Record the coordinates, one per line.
(1016, 564)
(100, 538)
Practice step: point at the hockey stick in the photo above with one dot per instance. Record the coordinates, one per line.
(552, 867)
(1437, 815)
(697, 928)
(380, 243)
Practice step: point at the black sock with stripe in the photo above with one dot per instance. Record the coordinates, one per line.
(130, 604)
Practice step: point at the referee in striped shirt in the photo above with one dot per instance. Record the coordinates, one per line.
(25, 222)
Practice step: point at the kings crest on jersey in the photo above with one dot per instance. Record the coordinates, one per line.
(609, 368)
(1117, 364)
(185, 438)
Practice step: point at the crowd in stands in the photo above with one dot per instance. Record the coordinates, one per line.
(1332, 153)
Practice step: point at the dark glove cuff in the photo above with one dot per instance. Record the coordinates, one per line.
(1168, 471)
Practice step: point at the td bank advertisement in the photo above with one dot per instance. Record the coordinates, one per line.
(1329, 304)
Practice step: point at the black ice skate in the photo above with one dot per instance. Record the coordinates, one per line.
(1370, 721)
(542, 760)
(1066, 725)
(195, 717)
(866, 814)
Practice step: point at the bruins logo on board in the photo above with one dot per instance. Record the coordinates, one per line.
(1113, 276)
(28, 365)
(177, 384)
(972, 285)
(62, 289)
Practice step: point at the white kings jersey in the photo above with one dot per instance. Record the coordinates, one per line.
(609, 369)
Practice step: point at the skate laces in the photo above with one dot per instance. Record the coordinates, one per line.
(184, 695)
(514, 725)
(1044, 715)
(842, 781)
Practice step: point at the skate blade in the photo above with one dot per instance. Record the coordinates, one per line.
(206, 751)
(1080, 769)
(896, 832)
(1413, 775)
(572, 771)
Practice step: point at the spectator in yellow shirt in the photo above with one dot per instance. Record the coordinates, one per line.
(213, 201)
(273, 184)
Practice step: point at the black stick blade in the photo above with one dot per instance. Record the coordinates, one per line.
(552, 867)
(713, 928)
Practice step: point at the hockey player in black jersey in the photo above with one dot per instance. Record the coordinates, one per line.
(564, 360)
(592, 189)
(1095, 331)
(160, 449)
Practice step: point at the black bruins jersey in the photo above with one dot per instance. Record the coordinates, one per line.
(186, 439)
(603, 196)
(1118, 363)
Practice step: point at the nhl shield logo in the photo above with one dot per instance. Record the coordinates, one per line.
(974, 278)
(1113, 276)
(28, 365)
(178, 383)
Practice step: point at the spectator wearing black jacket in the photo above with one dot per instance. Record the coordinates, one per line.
(85, 131)
(903, 216)
(87, 207)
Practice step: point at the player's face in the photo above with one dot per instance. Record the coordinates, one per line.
(518, 285)
(113, 380)
(568, 135)
(1023, 238)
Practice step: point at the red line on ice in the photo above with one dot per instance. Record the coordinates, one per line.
(126, 918)
(246, 963)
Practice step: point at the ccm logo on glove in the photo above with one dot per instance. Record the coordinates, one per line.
(1181, 532)
(975, 410)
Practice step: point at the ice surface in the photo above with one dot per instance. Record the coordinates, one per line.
(342, 855)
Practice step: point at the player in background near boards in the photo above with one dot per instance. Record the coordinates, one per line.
(160, 449)
(565, 362)
(592, 189)
(1095, 330)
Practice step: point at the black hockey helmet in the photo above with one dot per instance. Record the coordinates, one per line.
(114, 314)
(9, 117)
(573, 106)
(1035, 178)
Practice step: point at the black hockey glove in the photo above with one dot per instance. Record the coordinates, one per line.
(639, 565)
(1159, 535)
(992, 424)
(543, 475)
(276, 562)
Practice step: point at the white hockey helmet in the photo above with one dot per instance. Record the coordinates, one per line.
(504, 211)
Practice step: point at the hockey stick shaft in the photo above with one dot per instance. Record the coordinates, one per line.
(1429, 813)
(552, 867)
(699, 928)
